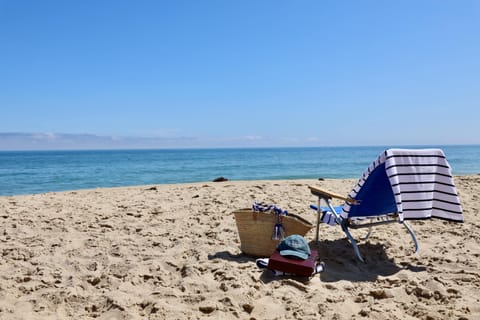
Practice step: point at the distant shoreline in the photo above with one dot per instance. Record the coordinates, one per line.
(190, 148)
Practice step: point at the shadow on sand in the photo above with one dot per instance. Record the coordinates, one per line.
(340, 260)
(342, 263)
(228, 256)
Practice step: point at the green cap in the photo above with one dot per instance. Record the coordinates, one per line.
(294, 246)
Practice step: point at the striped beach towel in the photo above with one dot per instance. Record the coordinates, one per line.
(417, 184)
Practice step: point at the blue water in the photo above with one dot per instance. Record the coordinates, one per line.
(29, 172)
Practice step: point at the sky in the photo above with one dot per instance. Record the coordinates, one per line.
(108, 74)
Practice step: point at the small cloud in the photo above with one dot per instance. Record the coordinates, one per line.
(47, 136)
(117, 138)
(253, 138)
(290, 140)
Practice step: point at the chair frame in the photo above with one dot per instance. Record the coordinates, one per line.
(347, 224)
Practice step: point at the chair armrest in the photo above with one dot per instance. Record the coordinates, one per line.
(329, 195)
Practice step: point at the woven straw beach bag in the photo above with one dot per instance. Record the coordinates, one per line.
(255, 230)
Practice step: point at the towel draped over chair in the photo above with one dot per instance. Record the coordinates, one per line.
(417, 184)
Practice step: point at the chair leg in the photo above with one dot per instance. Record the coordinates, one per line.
(412, 233)
(367, 235)
(353, 242)
(319, 214)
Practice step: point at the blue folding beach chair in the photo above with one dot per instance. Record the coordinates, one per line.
(401, 184)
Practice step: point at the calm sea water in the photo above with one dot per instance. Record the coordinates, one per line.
(29, 172)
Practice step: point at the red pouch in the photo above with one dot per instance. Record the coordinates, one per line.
(295, 266)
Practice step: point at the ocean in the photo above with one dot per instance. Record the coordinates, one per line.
(30, 172)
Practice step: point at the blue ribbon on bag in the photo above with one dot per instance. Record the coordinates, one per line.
(278, 229)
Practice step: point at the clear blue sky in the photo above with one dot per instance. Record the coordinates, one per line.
(243, 73)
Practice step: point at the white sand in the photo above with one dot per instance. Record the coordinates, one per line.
(172, 252)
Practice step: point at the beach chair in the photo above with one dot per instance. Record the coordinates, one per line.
(400, 185)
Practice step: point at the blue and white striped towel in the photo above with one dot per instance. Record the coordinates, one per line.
(421, 181)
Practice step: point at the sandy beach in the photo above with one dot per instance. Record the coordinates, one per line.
(173, 252)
